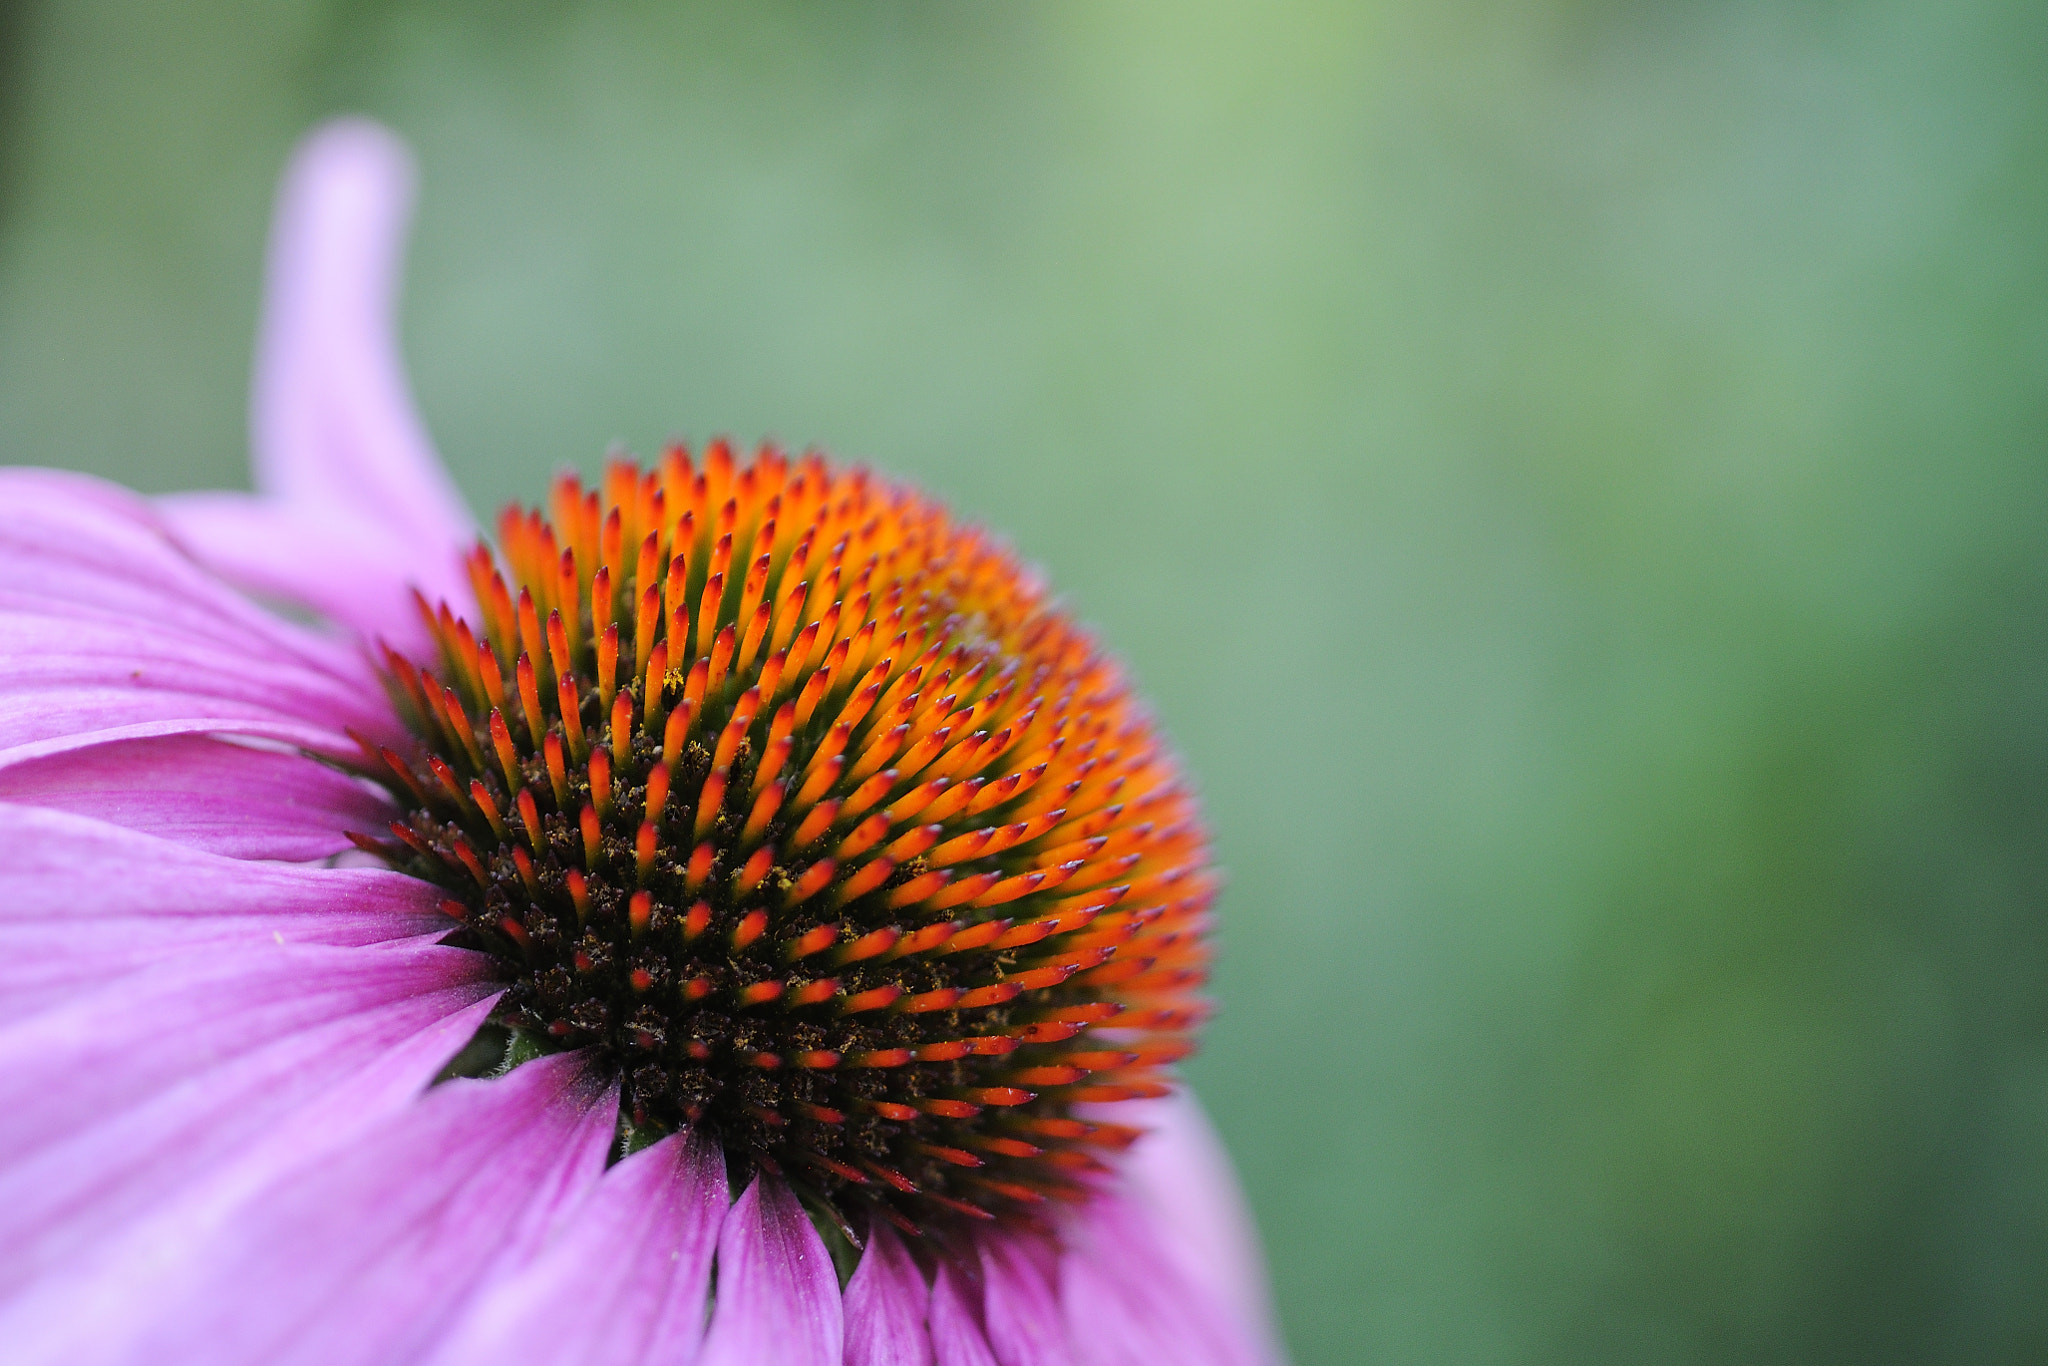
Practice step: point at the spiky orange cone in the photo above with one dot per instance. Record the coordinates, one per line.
(806, 808)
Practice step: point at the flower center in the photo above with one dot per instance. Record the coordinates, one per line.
(804, 810)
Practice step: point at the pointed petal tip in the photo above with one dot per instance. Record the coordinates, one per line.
(778, 1295)
(886, 1306)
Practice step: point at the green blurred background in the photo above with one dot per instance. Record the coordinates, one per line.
(1571, 475)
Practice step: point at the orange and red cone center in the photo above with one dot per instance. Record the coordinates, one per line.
(807, 810)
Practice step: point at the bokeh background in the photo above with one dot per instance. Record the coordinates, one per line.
(1572, 475)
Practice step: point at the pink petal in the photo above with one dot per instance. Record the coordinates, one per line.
(778, 1296)
(1019, 1310)
(74, 542)
(61, 676)
(332, 418)
(292, 734)
(370, 1254)
(1127, 1302)
(956, 1336)
(621, 1281)
(1182, 1175)
(106, 1284)
(227, 799)
(351, 570)
(83, 902)
(123, 1096)
(885, 1306)
(105, 625)
(354, 503)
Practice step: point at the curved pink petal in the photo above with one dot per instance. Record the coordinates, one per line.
(345, 567)
(123, 1097)
(105, 625)
(352, 503)
(70, 541)
(62, 675)
(1181, 1173)
(778, 1296)
(107, 1282)
(1020, 1313)
(885, 1306)
(83, 902)
(622, 1281)
(293, 734)
(370, 1254)
(229, 799)
(957, 1338)
(332, 419)
(1127, 1303)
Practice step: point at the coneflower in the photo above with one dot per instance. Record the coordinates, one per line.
(739, 875)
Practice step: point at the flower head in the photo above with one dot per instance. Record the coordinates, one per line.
(803, 811)
(738, 825)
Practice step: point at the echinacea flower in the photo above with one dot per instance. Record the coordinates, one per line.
(735, 917)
